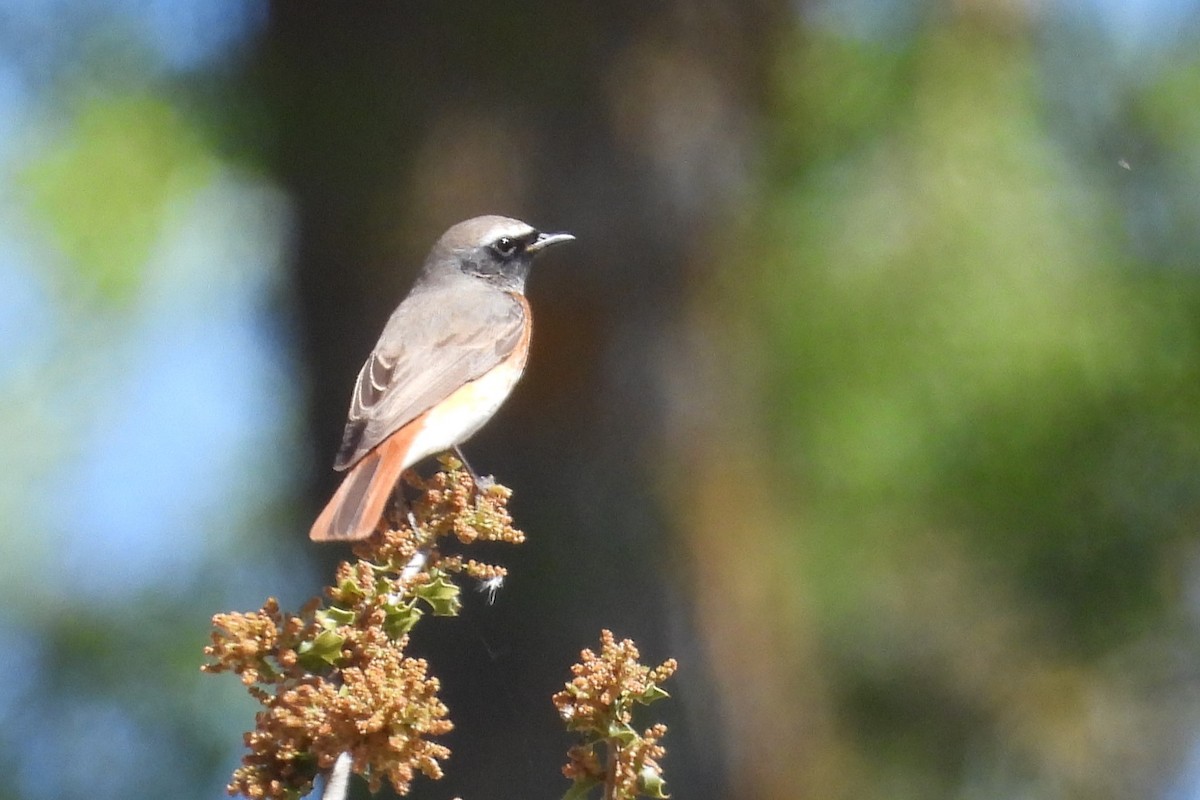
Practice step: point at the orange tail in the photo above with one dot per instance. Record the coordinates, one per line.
(356, 507)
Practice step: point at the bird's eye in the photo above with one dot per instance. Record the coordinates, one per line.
(505, 246)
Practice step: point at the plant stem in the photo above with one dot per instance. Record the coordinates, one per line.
(339, 779)
(610, 772)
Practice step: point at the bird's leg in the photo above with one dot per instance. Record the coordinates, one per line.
(475, 479)
(400, 505)
(458, 453)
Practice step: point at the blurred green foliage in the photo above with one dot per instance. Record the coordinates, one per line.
(106, 192)
(103, 188)
(985, 406)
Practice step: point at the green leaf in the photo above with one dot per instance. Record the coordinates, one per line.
(580, 788)
(623, 733)
(652, 694)
(325, 649)
(350, 589)
(651, 783)
(449, 463)
(333, 616)
(399, 619)
(442, 596)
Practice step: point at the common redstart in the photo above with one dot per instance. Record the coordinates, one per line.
(448, 357)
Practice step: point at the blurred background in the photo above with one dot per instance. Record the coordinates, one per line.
(871, 390)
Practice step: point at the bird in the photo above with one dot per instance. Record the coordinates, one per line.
(448, 357)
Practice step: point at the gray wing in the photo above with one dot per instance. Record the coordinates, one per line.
(436, 341)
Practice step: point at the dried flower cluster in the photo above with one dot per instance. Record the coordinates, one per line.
(598, 703)
(335, 678)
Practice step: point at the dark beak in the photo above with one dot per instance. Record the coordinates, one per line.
(545, 240)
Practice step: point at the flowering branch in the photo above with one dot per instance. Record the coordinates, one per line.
(598, 704)
(335, 679)
(339, 695)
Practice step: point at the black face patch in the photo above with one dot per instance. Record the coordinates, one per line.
(486, 262)
(481, 261)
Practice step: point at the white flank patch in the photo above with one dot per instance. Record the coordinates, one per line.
(459, 416)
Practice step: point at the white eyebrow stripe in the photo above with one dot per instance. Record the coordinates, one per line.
(513, 231)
